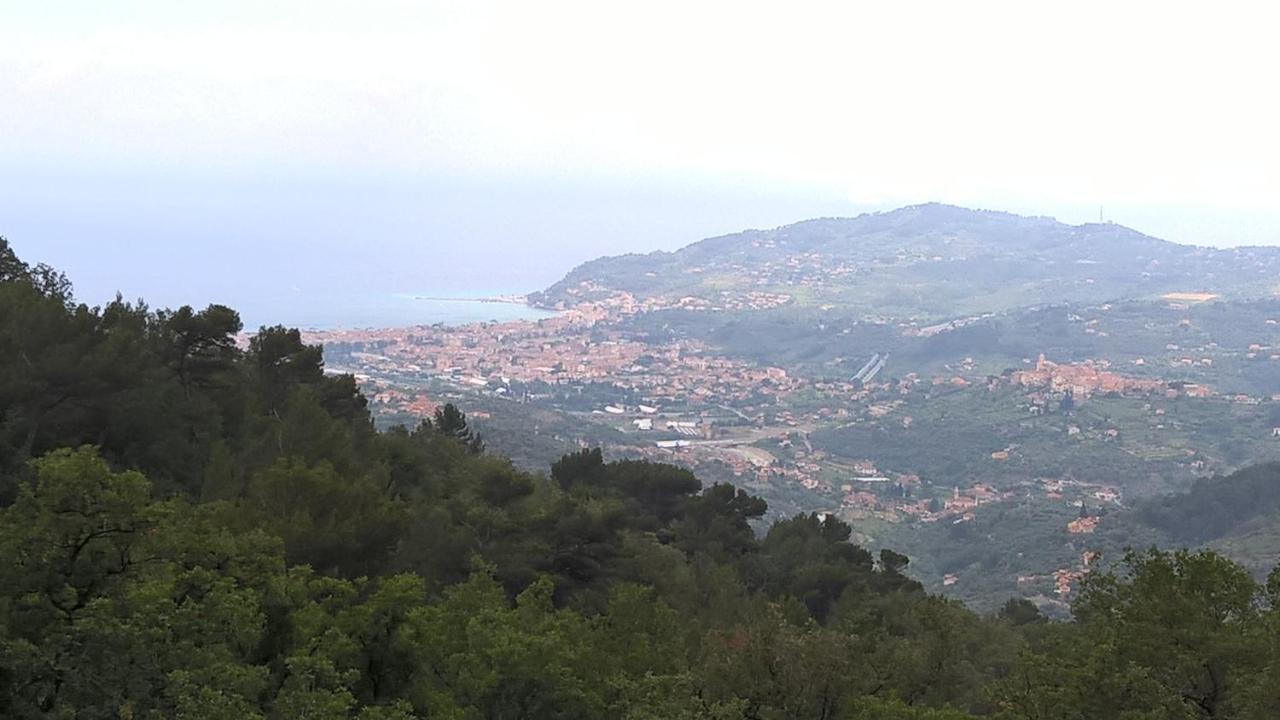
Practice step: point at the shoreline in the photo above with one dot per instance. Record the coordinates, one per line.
(493, 299)
(409, 310)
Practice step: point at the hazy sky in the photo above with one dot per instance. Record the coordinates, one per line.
(172, 149)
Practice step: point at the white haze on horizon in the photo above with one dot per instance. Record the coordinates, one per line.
(418, 142)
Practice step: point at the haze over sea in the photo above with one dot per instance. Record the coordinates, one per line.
(323, 252)
(342, 311)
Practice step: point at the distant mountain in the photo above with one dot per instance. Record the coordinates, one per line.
(929, 260)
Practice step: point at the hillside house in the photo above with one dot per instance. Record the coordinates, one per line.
(1107, 494)
(1082, 525)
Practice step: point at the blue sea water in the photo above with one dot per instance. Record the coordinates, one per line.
(332, 312)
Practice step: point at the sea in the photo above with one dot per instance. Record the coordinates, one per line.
(347, 312)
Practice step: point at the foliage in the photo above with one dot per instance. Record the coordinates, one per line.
(1173, 635)
(1215, 506)
(196, 530)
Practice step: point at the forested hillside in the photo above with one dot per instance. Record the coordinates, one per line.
(194, 529)
(1216, 506)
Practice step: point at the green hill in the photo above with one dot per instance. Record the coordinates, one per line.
(926, 260)
(1238, 514)
(195, 527)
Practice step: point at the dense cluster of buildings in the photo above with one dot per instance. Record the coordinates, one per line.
(570, 348)
(618, 302)
(1083, 379)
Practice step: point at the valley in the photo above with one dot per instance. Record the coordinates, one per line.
(998, 426)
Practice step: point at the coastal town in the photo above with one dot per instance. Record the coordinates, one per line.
(684, 401)
(583, 346)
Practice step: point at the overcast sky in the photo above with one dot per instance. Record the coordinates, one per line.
(469, 145)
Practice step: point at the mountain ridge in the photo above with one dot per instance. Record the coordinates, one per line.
(864, 261)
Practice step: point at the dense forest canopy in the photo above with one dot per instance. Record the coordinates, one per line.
(195, 529)
(1214, 506)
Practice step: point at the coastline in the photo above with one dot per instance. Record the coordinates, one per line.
(502, 299)
(396, 310)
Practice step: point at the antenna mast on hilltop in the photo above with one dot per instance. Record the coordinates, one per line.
(1100, 214)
